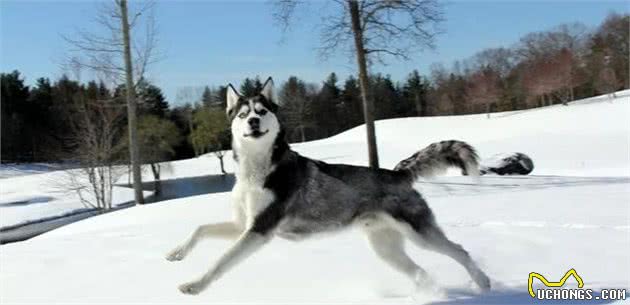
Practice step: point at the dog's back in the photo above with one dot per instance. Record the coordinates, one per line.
(321, 197)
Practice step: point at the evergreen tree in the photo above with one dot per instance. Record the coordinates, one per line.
(251, 87)
(14, 95)
(151, 100)
(181, 116)
(220, 96)
(38, 121)
(384, 96)
(324, 108)
(207, 98)
(415, 92)
(351, 107)
(295, 112)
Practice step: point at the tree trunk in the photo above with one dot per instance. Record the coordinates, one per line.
(419, 106)
(221, 161)
(157, 183)
(134, 150)
(368, 106)
(488, 110)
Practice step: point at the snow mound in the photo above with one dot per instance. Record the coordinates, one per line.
(571, 212)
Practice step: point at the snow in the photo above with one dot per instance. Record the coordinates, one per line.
(571, 212)
(18, 169)
(28, 197)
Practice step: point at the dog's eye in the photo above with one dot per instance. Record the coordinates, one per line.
(242, 115)
(262, 112)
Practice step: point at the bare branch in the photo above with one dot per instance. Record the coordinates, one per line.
(101, 51)
(283, 12)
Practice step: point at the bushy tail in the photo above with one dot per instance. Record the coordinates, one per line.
(437, 157)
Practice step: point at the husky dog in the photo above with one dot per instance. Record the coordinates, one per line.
(507, 164)
(281, 193)
(436, 157)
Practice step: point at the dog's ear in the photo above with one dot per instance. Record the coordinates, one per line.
(268, 91)
(232, 97)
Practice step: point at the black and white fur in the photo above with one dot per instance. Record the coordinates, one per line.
(507, 164)
(281, 193)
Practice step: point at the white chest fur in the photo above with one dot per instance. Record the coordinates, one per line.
(249, 194)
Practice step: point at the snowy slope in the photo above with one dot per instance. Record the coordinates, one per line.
(588, 138)
(572, 212)
(30, 197)
(8, 170)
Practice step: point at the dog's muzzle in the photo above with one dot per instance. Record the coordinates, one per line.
(254, 125)
(256, 133)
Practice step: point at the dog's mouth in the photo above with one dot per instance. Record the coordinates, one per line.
(256, 134)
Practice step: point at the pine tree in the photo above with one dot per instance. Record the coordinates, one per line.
(415, 91)
(207, 98)
(296, 108)
(151, 100)
(251, 87)
(324, 108)
(14, 95)
(351, 108)
(384, 95)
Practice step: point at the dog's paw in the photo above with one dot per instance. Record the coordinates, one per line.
(482, 280)
(426, 285)
(192, 288)
(177, 254)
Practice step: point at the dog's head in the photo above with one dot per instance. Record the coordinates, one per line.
(253, 119)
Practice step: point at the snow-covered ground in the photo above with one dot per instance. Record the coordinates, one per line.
(571, 212)
(29, 197)
(8, 170)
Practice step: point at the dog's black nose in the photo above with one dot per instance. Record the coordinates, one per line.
(254, 123)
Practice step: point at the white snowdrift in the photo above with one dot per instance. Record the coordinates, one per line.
(572, 212)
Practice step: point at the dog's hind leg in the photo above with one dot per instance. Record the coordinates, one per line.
(226, 230)
(431, 237)
(388, 244)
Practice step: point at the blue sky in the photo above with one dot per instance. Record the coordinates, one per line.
(216, 42)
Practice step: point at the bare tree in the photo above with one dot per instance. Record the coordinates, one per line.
(484, 89)
(373, 29)
(96, 126)
(538, 45)
(562, 78)
(112, 54)
(561, 51)
(606, 81)
(539, 79)
(500, 60)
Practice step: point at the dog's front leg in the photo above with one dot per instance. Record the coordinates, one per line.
(229, 230)
(225, 230)
(247, 244)
(259, 233)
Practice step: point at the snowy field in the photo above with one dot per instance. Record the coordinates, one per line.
(571, 212)
(31, 196)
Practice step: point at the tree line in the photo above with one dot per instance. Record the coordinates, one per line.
(40, 122)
